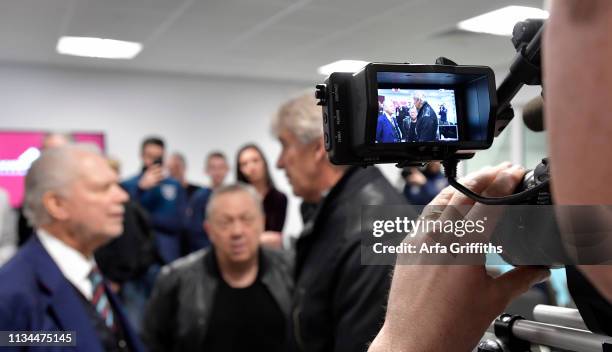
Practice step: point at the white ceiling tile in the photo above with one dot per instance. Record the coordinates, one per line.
(274, 39)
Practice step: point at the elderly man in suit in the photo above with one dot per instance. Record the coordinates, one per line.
(53, 283)
(387, 129)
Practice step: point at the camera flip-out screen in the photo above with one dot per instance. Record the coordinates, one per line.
(407, 113)
(435, 104)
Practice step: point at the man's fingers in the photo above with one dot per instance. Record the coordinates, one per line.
(444, 196)
(505, 182)
(460, 204)
(477, 182)
(155, 168)
(517, 281)
(157, 171)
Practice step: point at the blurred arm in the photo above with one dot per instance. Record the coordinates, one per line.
(578, 81)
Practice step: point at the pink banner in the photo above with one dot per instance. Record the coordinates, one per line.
(18, 149)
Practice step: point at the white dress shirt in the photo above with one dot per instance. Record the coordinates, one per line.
(8, 229)
(74, 266)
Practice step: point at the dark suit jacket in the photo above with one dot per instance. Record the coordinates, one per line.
(35, 296)
(130, 255)
(195, 236)
(410, 133)
(166, 205)
(402, 114)
(275, 208)
(339, 304)
(385, 132)
(427, 124)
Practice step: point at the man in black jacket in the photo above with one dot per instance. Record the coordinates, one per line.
(234, 297)
(427, 121)
(402, 112)
(338, 303)
(410, 125)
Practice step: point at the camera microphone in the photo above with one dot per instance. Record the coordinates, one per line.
(533, 115)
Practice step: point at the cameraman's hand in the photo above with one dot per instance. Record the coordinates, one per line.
(446, 307)
(151, 177)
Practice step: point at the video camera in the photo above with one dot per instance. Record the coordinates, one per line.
(459, 111)
(355, 104)
(367, 117)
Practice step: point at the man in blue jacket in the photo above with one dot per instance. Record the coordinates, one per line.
(53, 283)
(387, 129)
(162, 197)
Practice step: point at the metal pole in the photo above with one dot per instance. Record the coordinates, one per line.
(568, 317)
(559, 337)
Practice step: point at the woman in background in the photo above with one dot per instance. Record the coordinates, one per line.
(252, 168)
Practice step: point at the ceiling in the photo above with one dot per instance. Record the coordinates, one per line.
(284, 40)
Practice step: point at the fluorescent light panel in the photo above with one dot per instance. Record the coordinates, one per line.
(502, 21)
(98, 47)
(342, 66)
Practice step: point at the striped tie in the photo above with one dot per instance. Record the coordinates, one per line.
(398, 133)
(100, 300)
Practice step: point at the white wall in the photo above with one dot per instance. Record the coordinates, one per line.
(193, 114)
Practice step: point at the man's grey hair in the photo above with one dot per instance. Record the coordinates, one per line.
(420, 95)
(230, 189)
(300, 116)
(53, 171)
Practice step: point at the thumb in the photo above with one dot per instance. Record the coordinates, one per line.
(517, 281)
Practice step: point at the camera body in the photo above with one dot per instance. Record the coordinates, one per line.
(369, 116)
(159, 161)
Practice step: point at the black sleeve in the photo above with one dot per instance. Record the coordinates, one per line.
(406, 128)
(359, 301)
(160, 314)
(435, 124)
(282, 211)
(276, 211)
(428, 132)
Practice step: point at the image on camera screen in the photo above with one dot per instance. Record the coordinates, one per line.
(416, 115)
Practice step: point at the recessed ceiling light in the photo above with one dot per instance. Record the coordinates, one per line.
(342, 66)
(98, 47)
(502, 21)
